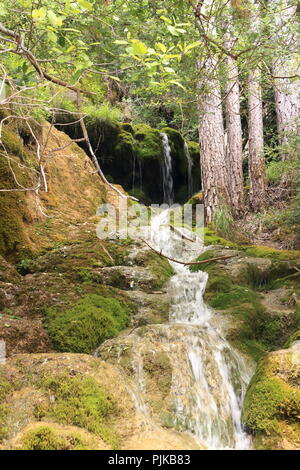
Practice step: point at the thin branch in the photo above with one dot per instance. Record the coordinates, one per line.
(190, 263)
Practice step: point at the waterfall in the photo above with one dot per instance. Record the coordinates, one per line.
(167, 171)
(209, 378)
(190, 165)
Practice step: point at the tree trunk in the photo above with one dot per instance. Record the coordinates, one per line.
(211, 135)
(234, 137)
(286, 90)
(214, 171)
(257, 167)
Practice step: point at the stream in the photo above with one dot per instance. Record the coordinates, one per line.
(209, 378)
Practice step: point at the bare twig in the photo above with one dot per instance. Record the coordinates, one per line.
(189, 263)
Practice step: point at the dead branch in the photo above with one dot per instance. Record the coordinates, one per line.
(189, 263)
(178, 232)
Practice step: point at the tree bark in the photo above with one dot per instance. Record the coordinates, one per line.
(286, 90)
(234, 134)
(257, 167)
(214, 173)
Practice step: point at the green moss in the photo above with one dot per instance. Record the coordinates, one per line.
(44, 438)
(12, 207)
(258, 330)
(140, 195)
(126, 126)
(13, 144)
(125, 144)
(194, 149)
(270, 399)
(87, 323)
(206, 255)
(236, 296)
(211, 238)
(160, 268)
(267, 252)
(48, 438)
(79, 401)
(149, 143)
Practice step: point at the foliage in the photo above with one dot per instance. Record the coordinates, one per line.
(105, 113)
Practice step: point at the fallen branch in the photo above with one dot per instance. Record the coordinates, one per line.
(178, 232)
(189, 263)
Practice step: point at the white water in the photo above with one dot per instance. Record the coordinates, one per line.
(190, 166)
(209, 378)
(167, 171)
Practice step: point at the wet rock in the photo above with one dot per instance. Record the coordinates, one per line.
(272, 405)
(38, 410)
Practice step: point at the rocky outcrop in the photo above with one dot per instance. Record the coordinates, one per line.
(73, 401)
(53, 257)
(272, 404)
(132, 155)
(258, 295)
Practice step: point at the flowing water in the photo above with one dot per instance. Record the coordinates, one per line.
(190, 166)
(167, 171)
(209, 378)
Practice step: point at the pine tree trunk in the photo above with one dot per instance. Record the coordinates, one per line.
(234, 137)
(257, 167)
(211, 135)
(286, 90)
(214, 171)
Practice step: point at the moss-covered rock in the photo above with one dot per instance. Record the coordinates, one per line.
(239, 288)
(29, 220)
(267, 252)
(52, 436)
(272, 404)
(74, 402)
(87, 323)
(149, 140)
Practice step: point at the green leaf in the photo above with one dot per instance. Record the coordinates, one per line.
(172, 30)
(174, 82)
(39, 14)
(169, 70)
(114, 78)
(3, 10)
(138, 47)
(85, 4)
(52, 36)
(52, 18)
(192, 46)
(166, 20)
(161, 47)
(120, 42)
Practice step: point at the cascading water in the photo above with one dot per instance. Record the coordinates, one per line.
(190, 166)
(167, 171)
(209, 378)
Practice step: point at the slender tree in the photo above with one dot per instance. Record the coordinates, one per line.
(257, 166)
(233, 124)
(211, 128)
(286, 72)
